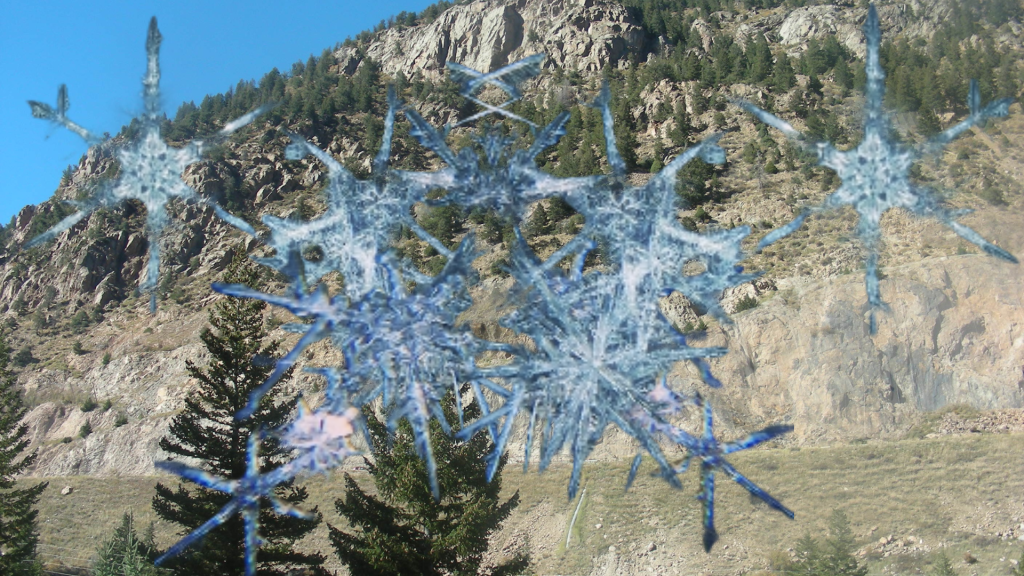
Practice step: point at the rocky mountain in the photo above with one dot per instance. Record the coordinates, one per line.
(803, 356)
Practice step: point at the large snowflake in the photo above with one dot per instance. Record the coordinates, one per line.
(150, 169)
(876, 174)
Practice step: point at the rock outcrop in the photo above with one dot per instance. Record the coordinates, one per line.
(583, 35)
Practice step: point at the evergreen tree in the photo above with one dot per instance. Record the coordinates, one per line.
(683, 129)
(625, 136)
(927, 122)
(844, 77)
(18, 531)
(943, 567)
(404, 531)
(783, 77)
(207, 431)
(833, 557)
(126, 554)
(659, 154)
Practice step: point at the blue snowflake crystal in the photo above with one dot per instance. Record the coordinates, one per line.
(707, 449)
(246, 493)
(150, 169)
(876, 174)
(594, 362)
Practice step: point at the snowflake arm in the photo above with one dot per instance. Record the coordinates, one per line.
(328, 313)
(246, 494)
(603, 103)
(59, 117)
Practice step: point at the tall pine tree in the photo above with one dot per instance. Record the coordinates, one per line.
(404, 531)
(207, 431)
(18, 532)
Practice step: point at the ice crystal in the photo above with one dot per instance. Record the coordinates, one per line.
(361, 215)
(246, 493)
(876, 174)
(403, 346)
(594, 362)
(150, 169)
(707, 449)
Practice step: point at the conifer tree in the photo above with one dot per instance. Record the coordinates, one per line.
(927, 122)
(127, 554)
(207, 431)
(783, 77)
(18, 532)
(403, 531)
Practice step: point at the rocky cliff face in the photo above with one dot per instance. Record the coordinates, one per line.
(802, 357)
(583, 35)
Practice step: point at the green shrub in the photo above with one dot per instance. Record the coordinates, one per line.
(77, 348)
(771, 168)
(24, 357)
(80, 321)
(107, 404)
(106, 358)
(65, 440)
(89, 405)
(121, 420)
(85, 430)
(993, 196)
(701, 215)
(746, 303)
(689, 223)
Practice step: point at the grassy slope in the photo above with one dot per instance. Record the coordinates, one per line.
(957, 491)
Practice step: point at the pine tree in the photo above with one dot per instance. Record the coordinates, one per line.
(783, 77)
(927, 122)
(943, 567)
(18, 532)
(207, 431)
(126, 554)
(404, 531)
(683, 129)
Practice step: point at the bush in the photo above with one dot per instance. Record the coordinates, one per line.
(80, 321)
(746, 303)
(77, 348)
(107, 404)
(993, 196)
(24, 357)
(121, 420)
(65, 440)
(771, 168)
(689, 223)
(89, 405)
(701, 215)
(106, 358)
(85, 430)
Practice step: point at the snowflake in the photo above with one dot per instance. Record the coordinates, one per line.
(876, 174)
(594, 362)
(150, 169)
(407, 342)
(707, 449)
(246, 493)
(361, 214)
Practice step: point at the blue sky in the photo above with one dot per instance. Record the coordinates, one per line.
(98, 50)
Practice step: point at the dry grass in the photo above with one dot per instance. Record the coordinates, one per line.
(953, 491)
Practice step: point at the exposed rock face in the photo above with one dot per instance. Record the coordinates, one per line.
(582, 35)
(802, 356)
